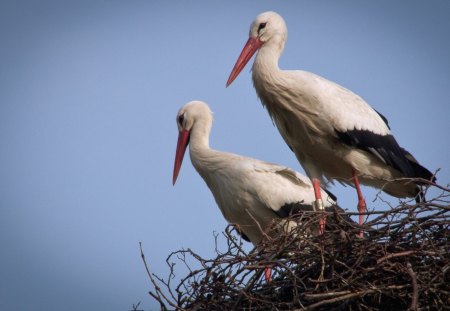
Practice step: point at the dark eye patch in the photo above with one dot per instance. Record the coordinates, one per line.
(181, 119)
(262, 26)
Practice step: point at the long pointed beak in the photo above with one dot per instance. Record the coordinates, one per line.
(252, 45)
(183, 142)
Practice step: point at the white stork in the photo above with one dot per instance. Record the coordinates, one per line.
(250, 193)
(333, 132)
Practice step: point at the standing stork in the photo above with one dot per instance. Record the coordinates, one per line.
(250, 193)
(333, 132)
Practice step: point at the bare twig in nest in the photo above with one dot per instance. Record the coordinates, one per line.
(415, 294)
(402, 262)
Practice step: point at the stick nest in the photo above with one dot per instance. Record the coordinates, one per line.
(401, 263)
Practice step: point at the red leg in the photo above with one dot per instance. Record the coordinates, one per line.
(319, 204)
(268, 274)
(361, 201)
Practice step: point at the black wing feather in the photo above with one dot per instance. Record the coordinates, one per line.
(242, 234)
(290, 209)
(330, 194)
(384, 119)
(386, 148)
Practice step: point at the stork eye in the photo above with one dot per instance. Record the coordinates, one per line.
(261, 26)
(181, 119)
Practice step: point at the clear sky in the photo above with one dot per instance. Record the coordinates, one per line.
(89, 91)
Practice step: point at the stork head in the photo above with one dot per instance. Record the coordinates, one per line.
(193, 118)
(268, 28)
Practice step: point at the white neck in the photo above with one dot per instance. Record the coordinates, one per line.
(265, 66)
(200, 152)
(199, 136)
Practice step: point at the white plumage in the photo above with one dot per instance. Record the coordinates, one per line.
(333, 132)
(250, 193)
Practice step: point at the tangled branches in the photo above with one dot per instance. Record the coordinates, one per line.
(401, 263)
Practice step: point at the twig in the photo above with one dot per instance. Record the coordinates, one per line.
(158, 294)
(389, 256)
(415, 295)
(336, 299)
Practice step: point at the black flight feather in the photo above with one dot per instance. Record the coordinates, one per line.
(242, 234)
(292, 209)
(385, 148)
(384, 119)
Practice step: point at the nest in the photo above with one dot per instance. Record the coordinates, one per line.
(401, 263)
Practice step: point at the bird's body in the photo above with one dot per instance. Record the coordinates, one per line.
(320, 120)
(333, 132)
(250, 193)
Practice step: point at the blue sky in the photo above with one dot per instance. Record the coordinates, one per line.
(89, 91)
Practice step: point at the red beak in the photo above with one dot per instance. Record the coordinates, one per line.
(252, 45)
(183, 142)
